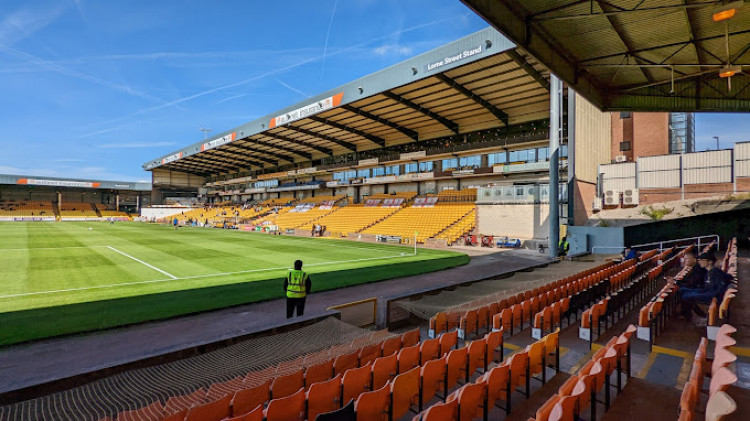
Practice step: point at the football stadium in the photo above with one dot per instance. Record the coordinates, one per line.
(515, 225)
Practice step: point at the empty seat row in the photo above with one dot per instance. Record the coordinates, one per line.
(581, 390)
(719, 403)
(475, 399)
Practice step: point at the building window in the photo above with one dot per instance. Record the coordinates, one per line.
(425, 166)
(449, 164)
(363, 173)
(496, 158)
(468, 162)
(625, 114)
(411, 168)
(378, 172)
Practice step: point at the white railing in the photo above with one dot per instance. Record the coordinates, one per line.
(700, 241)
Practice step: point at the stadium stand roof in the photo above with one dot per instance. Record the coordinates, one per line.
(480, 81)
(656, 55)
(33, 180)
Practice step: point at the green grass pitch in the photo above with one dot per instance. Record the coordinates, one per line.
(69, 277)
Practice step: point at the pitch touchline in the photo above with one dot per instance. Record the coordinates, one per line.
(53, 248)
(142, 262)
(191, 277)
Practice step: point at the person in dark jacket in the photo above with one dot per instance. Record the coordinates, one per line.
(696, 277)
(716, 283)
(296, 285)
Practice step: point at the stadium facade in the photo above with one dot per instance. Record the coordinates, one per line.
(60, 198)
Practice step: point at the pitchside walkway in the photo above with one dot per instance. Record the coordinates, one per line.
(48, 361)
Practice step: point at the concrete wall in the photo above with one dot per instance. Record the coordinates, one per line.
(163, 212)
(602, 240)
(443, 184)
(517, 221)
(592, 143)
(584, 201)
(399, 187)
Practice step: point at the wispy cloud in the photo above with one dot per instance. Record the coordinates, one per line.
(328, 35)
(133, 145)
(292, 88)
(230, 98)
(388, 49)
(53, 67)
(24, 23)
(81, 9)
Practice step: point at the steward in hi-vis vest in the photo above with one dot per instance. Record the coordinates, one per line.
(296, 285)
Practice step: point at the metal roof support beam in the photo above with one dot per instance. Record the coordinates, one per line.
(513, 54)
(221, 162)
(259, 151)
(625, 39)
(351, 146)
(510, 20)
(223, 153)
(497, 112)
(374, 139)
(191, 170)
(305, 155)
(407, 132)
(207, 166)
(300, 143)
(450, 125)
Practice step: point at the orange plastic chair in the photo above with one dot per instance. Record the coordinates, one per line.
(506, 320)
(526, 310)
(356, 381)
(537, 361)
(721, 380)
(432, 376)
(383, 370)
(477, 357)
(289, 408)
(440, 412)
(212, 411)
(408, 358)
(373, 406)
(542, 414)
(556, 313)
(176, 416)
(690, 396)
(448, 341)
(410, 338)
(178, 403)
(324, 397)
(284, 386)
(319, 372)
(254, 415)
(552, 348)
(564, 409)
(245, 400)
(345, 362)
(483, 317)
(470, 399)
(722, 358)
(719, 406)
(519, 366)
(220, 389)
(497, 381)
(469, 323)
(404, 392)
(391, 346)
(368, 354)
(456, 361)
(439, 323)
(429, 350)
(517, 316)
(494, 340)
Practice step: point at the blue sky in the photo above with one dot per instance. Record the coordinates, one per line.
(95, 89)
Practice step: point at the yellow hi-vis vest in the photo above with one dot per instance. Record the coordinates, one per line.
(296, 286)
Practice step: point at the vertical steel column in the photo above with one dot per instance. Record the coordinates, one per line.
(571, 155)
(555, 116)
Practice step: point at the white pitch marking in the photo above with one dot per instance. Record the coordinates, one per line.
(51, 248)
(142, 262)
(188, 277)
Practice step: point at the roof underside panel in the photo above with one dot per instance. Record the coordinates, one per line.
(625, 55)
(504, 87)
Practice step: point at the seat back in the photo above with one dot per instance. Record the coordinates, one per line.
(345, 413)
(448, 341)
(212, 411)
(410, 338)
(283, 386)
(289, 408)
(542, 414)
(373, 406)
(404, 392)
(432, 374)
(319, 372)
(429, 349)
(368, 354)
(441, 412)
(254, 415)
(719, 406)
(455, 365)
(408, 358)
(494, 340)
(506, 319)
(383, 370)
(356, 381)
(345, 362)
(721, 380)
(518, 362)
(391, 346)
(536, 352)
(245, 400)
(471, 401)
(497, 383)
(324, 397)
(476, 350)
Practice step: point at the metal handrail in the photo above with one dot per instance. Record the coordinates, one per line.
(661, 244)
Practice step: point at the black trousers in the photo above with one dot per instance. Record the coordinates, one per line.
(295, 303)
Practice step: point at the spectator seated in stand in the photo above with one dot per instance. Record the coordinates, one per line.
(695, 276)
(628, 254)
(716, 283)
